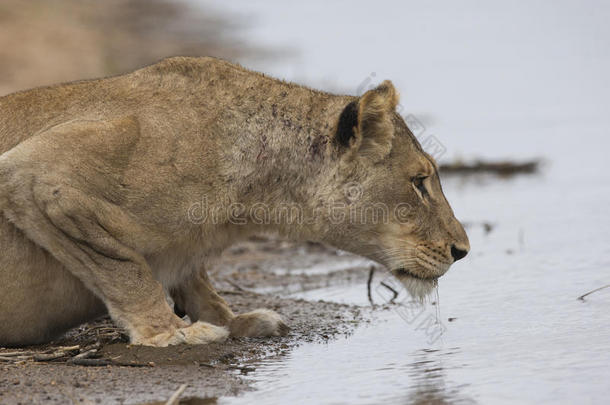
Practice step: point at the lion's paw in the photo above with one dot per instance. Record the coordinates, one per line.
(199, 333)
(260, 322)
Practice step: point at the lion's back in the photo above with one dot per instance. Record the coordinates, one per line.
(28, 112)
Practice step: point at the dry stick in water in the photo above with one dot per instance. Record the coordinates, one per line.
(368, 284)
(393, 292)
(582, 297)
(175, 398)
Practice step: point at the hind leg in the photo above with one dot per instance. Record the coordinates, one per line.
(198, 298)
(39, 298)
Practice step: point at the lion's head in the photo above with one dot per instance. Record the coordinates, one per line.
(393, 207)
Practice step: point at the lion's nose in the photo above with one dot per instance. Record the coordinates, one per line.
(458, 253)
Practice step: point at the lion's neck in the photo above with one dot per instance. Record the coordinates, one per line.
(285, 161)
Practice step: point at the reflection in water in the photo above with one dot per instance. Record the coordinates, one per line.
(429, 381)
(380, 363)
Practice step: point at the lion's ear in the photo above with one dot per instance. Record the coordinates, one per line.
(365, 126)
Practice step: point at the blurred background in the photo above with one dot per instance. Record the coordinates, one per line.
(504, 69)
(481, 82)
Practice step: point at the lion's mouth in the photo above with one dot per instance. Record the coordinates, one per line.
(403, 272)
(418, 286)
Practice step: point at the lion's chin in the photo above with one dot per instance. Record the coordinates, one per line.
(419, 288)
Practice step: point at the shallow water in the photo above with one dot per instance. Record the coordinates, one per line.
(493, 80)
(517, 331)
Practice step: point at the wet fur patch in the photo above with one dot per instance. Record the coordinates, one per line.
(417, 288)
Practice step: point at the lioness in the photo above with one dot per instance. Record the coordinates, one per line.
(102, 184)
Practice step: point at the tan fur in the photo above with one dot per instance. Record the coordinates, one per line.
(375, 128)
(99, 180)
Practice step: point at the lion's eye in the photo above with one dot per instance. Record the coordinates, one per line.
(418, 182)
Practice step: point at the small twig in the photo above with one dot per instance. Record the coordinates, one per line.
(130, 364)
(173, 400)
(68, 348)
(85, 355)
(242, 369)
(61, 351)
(582, 297)
(90, 362)
(391, 289)
(237, 286)
(13, 354)
(368, 285)
(14, 358)
(43, 355)
(106, 362)
(49, 356)
(231, 292)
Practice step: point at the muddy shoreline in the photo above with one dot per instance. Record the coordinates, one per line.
(155, 373)
(117, 372)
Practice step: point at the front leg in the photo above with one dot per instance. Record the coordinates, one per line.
(53, 202)
(198, 298)
(79, 232)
